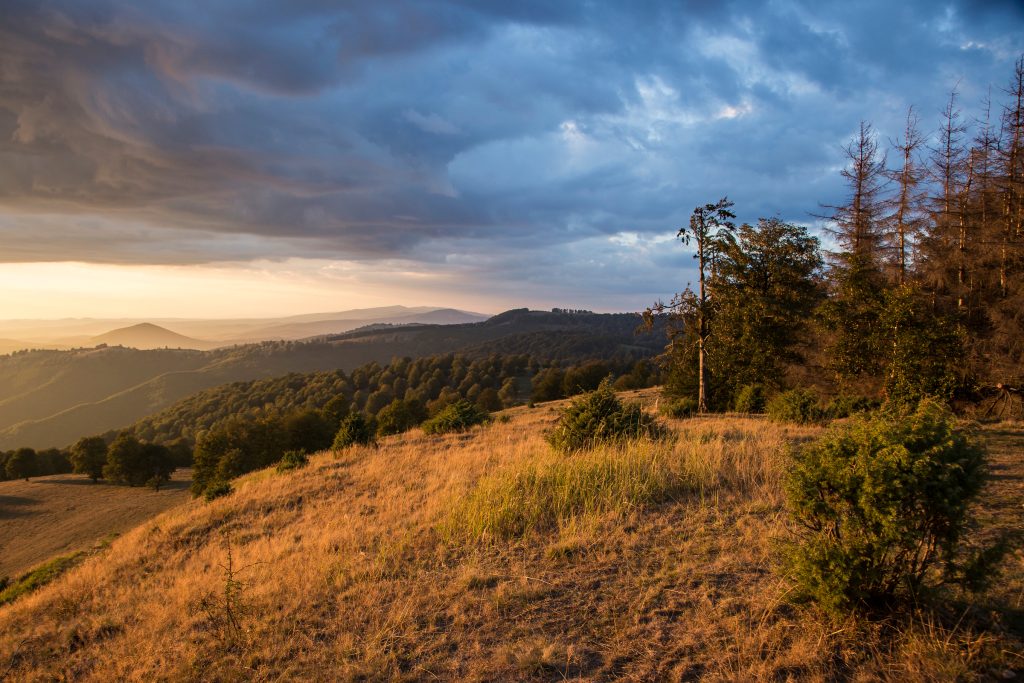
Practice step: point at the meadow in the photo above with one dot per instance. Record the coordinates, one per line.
(485, 556)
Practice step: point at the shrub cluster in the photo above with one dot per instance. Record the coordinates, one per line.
(355, 430)
(457, 417)
(796, 405)
(845, 405)
(678, 407)
(750, 399)
(292, 460)
(600, 417)
(881, 503)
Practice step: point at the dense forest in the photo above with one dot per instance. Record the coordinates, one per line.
(920, 294)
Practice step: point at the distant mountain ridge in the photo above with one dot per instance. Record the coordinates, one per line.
(51, 398)
(16, 335)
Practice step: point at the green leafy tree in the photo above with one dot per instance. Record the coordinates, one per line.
(547, 385)
(489, 400)
(124, 461)
(156, 464)
(21, 464)
(88, 456)
(308, 431)
(335, 410)
(399, 416)
(136, 463)
(508, 392)
(765, 288)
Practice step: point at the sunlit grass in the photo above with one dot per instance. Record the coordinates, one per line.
(547, 491)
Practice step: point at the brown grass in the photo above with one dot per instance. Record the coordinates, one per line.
(343, 570)
(62, 513)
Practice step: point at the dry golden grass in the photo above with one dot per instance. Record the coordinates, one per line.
(366, 565)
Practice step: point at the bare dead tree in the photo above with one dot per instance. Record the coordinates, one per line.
(906, 216)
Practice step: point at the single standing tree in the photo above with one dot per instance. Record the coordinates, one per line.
(88, 456)
(852, 313)
(709, 224)
(906, 216)
(21, 464)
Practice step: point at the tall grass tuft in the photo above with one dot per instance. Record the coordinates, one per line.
(541, 494)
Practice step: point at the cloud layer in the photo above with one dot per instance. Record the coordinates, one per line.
(557, 144)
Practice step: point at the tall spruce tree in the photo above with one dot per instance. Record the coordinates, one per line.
(852, 314)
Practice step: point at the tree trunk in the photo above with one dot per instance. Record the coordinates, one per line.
(702, 404)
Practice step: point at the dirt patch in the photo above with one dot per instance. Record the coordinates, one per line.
(47, 516)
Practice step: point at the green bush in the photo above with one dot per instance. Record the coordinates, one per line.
(456, 417)
(750, 399)
(796, 405)
(845, 405)
(216, 488)
(678, 407)
(881, 503)
(355, 430)
(600, 417)
(292, 460)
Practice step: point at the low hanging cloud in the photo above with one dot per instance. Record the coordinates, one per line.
(174, 132)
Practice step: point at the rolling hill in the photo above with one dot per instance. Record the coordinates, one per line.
(51, 398)
(149, 336)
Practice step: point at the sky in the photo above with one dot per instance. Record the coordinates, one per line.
(236, 158)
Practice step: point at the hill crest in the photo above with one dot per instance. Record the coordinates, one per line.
(147, 336)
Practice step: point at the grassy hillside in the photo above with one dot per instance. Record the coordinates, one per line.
(483, 556)
(51, 398)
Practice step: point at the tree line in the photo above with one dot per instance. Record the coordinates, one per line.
(921, 294)
(123, 460)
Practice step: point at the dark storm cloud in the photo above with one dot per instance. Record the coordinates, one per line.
(228, 130)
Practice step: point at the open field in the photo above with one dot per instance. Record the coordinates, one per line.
(655, 561)
(47, 516)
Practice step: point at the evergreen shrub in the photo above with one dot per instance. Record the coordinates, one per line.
(292, 460)
(600, 417)
(882, 504)
(678, 407)
(355, 430)
(456, 417)
(750, 399)
(796, 405)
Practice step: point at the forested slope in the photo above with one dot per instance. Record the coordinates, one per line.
(51, 398)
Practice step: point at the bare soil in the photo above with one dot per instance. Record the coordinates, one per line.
(62, 513)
